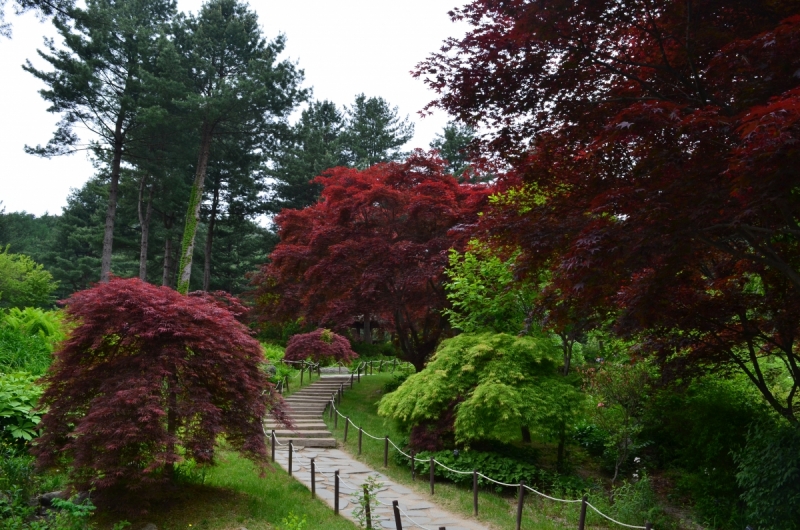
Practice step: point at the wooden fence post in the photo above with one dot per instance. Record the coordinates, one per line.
(433, 469)
(346, 423)
(397, 521)
(519, 503)
(475, 492)
(582, 519)
(290, 458)
(272, 437)
(336, 492)
(386, 451)
(313, 480)
(413, 467)
(360, 435)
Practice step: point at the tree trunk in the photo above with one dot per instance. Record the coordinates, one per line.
(144, 222)
(210, 237)
(526, 434)
(367, 328)
(111, 212)
(169, 221)
(193, 213)
(167, 261)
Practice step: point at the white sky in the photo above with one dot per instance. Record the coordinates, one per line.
(345, 47)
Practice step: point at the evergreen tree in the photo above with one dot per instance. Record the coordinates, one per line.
(315, 146)
(239, 89)
(96, 82)
(374, 132)
(452, 145)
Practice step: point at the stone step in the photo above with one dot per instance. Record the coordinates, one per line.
(297, 426)
(308, 442)
(302, 434)
(299, 416)
(314, 400)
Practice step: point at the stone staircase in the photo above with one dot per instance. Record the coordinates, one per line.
(306, 407)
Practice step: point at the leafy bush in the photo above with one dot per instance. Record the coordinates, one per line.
(503, 383)
(21, 352)
(376, 349)
(273, 352)
(635, 503)
(18, 397)
(27, 339)
(769, 475)
(23, 282)
(321, 345)
(695, 429)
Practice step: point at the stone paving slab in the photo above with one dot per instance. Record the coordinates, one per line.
(423, 513)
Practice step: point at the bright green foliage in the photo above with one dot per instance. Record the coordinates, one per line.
(18, 397)
(35, 321)
(27, 339)
(504, 383)
(483, 293)
(273, 352)
(23, 282)
(366, 496)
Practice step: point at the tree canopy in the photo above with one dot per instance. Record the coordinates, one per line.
(23, 282)
(375, 244)
(653, 145)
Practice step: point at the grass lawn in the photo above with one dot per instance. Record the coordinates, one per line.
(497, 511)
(235, 496)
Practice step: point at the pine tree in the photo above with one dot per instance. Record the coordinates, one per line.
(238, 89)
(96, 82)
(374, 133)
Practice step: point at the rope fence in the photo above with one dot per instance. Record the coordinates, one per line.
(522, 487)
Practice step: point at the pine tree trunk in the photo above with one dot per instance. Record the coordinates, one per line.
(212, 220)
(193, 213)
(111, 212)
(169, 221)
(144, 222)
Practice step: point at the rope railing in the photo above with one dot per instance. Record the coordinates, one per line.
(520, 485)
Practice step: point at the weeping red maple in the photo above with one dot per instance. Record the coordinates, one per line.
(147, 379)
(375, 245)
(656, 152)
(321, 345)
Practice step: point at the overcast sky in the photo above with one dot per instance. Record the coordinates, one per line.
(345, 47)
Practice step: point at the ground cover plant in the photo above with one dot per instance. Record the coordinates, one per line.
(147, 379)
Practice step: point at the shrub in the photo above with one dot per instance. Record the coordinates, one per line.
(23, 282)
(769, 474)
(21, 352)
(504, 383)
(321, 345)
(147, 379)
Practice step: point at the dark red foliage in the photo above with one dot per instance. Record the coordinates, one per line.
(435, 435)
(148, 378)
(375, 244)
(656, 147)
(321, 345)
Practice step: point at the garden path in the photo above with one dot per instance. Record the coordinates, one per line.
(417, 511)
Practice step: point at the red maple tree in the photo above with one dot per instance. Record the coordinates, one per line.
(321, 345)
(655, 146)
(375, 245)
(148, 378)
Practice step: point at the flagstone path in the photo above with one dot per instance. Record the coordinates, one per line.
(311, 439)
